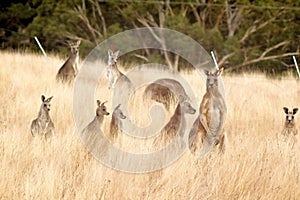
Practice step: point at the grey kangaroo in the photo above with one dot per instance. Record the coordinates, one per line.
(207, 130)
(43, 124)
(68, 71)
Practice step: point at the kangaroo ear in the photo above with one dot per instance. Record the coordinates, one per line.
(110, 53)
(118, 106)
(207, 73)
(295, 110)
(98, 103)
(78, 42)
(49, 99)
(103, 103)
(286, 110)
(116, 54)
(219, 72)
(43, 98)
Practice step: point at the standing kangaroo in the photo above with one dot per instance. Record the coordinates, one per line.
(68, 71)
(208, 127)
(113, 73)
(116, 123)
(97, 122)
(290, 129)
(43, 124)
(176, 121)
(162, 91)
(91, 134)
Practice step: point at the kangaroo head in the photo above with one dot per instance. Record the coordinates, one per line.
(74, 46)
(112, 57)
(46, 103)
(290, 115)
(118, 112)
(101, 109)
(186, 107)
(212, 78)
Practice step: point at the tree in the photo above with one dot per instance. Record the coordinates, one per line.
(245, 34)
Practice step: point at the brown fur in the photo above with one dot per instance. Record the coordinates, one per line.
(114, 75)
(100, 113)
(207, 130)
(67, 73)
(116, 123)
(43, 124)
(175, 122)
(290, 130)
(162, 91)
(91, 136)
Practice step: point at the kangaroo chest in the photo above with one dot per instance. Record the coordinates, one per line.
(214, 112)
(290, 125)
(112, 74)
(43, 124)
(290, 128)
(44, 121)
(75, 64)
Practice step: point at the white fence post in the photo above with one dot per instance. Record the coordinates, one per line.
(296, 64)
(214, 58)
(40, 46)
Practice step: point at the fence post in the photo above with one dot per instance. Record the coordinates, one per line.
(296, 64)
(40, 46)
(214, 58)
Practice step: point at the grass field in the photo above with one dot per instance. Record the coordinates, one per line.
(255, 165)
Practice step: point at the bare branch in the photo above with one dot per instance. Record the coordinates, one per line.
(262, 59)
(140, 37)
(219, 19)
(183, 10)
(149, 22)
(141, 57)
(75, 37)
(144, 22)
(273, 47)
(286, 65)
(161, 16)
(196, 14)
(81, 14)
(255, 28)
(160, 40)
(96, 3)
(233, 19)
(225, 58)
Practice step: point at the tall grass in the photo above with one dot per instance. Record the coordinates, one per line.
(256, 164)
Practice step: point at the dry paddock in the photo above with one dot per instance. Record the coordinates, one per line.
(256, 165)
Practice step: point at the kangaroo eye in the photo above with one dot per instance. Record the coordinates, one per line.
(45, 105)
(292, 117)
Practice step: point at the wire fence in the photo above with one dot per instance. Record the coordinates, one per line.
(197, 3)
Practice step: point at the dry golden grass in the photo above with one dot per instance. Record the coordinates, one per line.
(255, 166)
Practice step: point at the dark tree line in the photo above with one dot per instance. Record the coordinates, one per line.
(245, 34)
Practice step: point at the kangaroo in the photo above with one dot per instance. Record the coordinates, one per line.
(162, 91)
(101, 111)
(116, 123)
(207, 128)
(176, 121)
(290, 124)
(113, 73)
(43, 124)
(68, 71)
(90, 135)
